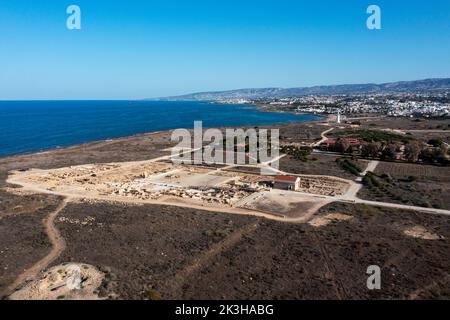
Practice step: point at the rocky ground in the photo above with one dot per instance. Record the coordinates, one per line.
(23, 240)
(177, 253)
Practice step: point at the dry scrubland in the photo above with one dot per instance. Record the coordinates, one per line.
(149, 251)
(23, 240)
(179, 253)
(304, 132)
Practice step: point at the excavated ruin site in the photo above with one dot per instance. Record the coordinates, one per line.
(164, 182)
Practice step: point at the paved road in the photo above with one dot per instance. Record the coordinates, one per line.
(428, 131)
(401, 206)
(370, 167)
(404, 131)
(350, 197)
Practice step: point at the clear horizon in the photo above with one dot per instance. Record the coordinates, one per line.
(147, 49)
(187, 93)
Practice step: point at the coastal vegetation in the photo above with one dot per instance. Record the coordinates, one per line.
(349, 166)
(388, 146)
(374, 136)
(297, 153)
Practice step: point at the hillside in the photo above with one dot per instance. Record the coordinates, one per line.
(392, 87)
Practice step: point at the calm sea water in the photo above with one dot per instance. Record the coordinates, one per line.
(27, 126)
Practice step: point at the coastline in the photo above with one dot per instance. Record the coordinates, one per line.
(83, 144)
(104, 142)
(267, 108)
(88, 144)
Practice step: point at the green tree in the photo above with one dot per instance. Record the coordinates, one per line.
(413, 151)
(436, 142)
(390, 151)
(342, 145)
(371, 150)
(441, 154)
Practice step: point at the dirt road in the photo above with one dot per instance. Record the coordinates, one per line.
(371, 167)
(401, 206)
(58, 245)
(176, 283)
(324, 138)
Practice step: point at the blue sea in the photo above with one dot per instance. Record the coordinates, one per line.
(29, 126)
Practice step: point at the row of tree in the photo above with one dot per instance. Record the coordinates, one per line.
(413, 151)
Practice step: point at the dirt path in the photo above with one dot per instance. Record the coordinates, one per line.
(177, 282)
(338, 286)
(58, 245)
(370, 167)
(324, 138)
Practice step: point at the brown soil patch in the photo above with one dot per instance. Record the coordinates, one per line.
(422, 233)
(72, 281)
(329, 218)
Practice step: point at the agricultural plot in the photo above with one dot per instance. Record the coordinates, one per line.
(421, 171)
(371, 135)
(406, 123)
(419, 185)
(427, 136)
(319, 164)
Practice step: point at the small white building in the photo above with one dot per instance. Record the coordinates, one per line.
(287, 183)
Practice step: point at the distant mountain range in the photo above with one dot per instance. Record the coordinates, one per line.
(427, 85)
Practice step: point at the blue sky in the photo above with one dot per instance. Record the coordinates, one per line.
(138, 49)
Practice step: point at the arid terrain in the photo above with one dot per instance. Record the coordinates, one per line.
(140, 227)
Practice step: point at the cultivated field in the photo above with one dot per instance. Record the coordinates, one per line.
(406, 124)
(422, 171)
(413, 184)
(319, 164)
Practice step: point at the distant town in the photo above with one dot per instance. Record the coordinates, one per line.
(398, 105)
(419, 98)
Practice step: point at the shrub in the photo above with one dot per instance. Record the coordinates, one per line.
(297, 153)
(436, 142)
(154, 295)
(349, 166)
